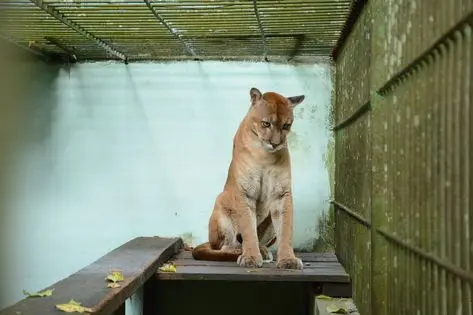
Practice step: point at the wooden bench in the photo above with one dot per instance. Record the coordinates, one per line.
(137, 260)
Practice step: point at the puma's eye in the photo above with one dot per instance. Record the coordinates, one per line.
(286, 126)
(265, 124)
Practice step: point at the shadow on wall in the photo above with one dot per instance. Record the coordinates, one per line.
(40, 107)
(19, 127)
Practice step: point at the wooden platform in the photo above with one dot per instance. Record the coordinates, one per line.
(318, 267)
(215, 288)
(210, 288)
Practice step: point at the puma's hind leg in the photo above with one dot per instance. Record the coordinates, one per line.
(222, 232)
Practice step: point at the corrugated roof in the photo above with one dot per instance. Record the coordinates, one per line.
(176, 29)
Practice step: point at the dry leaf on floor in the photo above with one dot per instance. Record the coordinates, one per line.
(323, 297)
(44, 293)
(168, 268)
(73, 307)
(336, 309)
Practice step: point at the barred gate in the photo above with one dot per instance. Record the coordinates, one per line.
(404, 130)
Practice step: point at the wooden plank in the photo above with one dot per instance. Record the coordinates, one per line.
(190, 262)
(335, 274)
(306, 257)
(138, 260)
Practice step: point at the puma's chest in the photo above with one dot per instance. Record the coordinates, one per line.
(266, 184)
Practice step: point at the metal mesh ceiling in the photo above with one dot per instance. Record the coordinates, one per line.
(175, 29)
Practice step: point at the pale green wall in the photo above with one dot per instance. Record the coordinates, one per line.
(116, 151)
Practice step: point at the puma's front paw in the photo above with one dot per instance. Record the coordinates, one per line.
(289, 263)
(250, 261)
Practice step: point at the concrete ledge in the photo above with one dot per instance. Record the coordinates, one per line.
(323, 306)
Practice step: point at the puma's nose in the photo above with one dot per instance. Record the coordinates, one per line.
(274, 145)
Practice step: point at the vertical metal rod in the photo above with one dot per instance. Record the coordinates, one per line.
(263, 36)
(60, 17)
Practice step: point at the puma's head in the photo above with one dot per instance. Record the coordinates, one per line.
(272, 117)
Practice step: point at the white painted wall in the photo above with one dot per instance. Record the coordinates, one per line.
(120, 151)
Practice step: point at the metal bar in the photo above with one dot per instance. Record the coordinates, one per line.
(449, 35)
(355, 11)
(260, 26)
(60, 17)
(170, 29)
(366, 107)
(351, 213)
(463, 274)
(69, 52)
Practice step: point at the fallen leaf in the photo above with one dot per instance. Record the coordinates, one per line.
(336, 309)
(73, 307)
(168, 268)
(324, 297)
(113, 285)
(44, 293)
(115, 276)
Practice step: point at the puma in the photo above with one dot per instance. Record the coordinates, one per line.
(255, 208)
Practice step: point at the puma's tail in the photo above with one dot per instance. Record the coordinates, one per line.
(205, 252)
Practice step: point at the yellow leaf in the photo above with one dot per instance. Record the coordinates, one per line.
(44, 293)
(115, 276)
(324, 297)
(167, 268)
(336, 309)
(73, 307)
(113, 285)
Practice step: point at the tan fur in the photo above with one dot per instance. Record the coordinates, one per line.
(256, 202)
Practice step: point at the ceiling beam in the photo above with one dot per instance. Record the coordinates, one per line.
(60, 17)
(170, 29)
(260, 26)
(15, 43)
(355, 12)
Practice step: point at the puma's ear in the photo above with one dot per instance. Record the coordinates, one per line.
(296, 100)
(255, 95)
